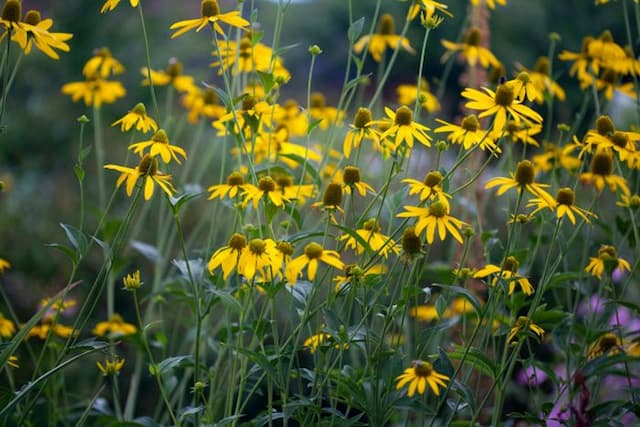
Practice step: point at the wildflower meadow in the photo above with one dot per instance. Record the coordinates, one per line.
(414, 213)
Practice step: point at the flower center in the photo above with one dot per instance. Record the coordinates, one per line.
(512, 126)
(422, 369)
(174, 69)
(237, 242)
(605, 126)
(139, 109)
(318, 100)
(313, 250)
(332, 195)
(363, 116)
(234, 179)
(433, 179)
(411, 243)
(510, 264)
(148, 166)
(32, 17)
(606, 37)
(525, 173)
(542, 66)
(284, 181)
(248, 102)
(504, 95)
(160, 136)
(607, 253)
(473, 37)
(404, 116)
(619, 139)
(601, 164)
(285, 248)
(371, 225)
(634, 201)
(438, 209)
(586, 41)
(257, 246)
(470, 123)
(351, 175)
(12, 11)
(245, 47)
(524, 77)
(522, 322)
(266, 184)
(210, 96)
(565, 196)
(387, 26)
(209, 8)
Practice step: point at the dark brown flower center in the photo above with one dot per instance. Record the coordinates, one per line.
(542, 65)
(174, 69)
(525, 173)
(318, 100)
(285, 248)
(237, 242)
(266, 184)
(160, 136)
(422, 369)
(602, 164)
(332, 195)
(12, 11)
(209, 8)
(248, 102)
(411, 243)
(351, 175)
(510, 264)
(148, 165)
(438, 209)
(433, 179)
(210, 96)
(313, 250)
(284, 181)
(371, 225)
(473, 37)
(32, 17)
(524, 77)
(404, 116)
(234, 179)
(362, 117)
(470, 123)
(565, 196)
(386, 26)
(607, 253)
(504, 95)
(605, 126)
(257, 246)
(619, 139)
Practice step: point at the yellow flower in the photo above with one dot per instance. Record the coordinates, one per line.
(102, 64)
(607, 259)
(436, 216)
(132, 281)
(210, 13)
(418, 376)
(490, 3)
(248, 56)
(171, 75)
(430, 188)
(114, 327)
(110, 366)
(227, 257)
(316, 340)
(469, 134)
(556, 157)
(13, 362)
(138, 118)
(95, 92)
(313, 253)
(541, 80)
(160, 145)
(202, 103)
(4, 265)
(523, 179)
(402, 128)
(563, 205)
(36, 32)
(429, 6)
(235, 182)
(629, 201)
(10, 18)
(354, 275)
(147, 169)
(508, 272)
(318, 110)
(523, 323)
(525, 88)
(351, 181)
(292, 116)
(522, 132)
(7, 328)
(42, 331)
(266, 189)
(502, 103)
(291, 191)
(258, 255)
(427, 312)
(385, 37)
(601, 174)
(370, 233)
(608, 343)
(109, 5)
(361, 128)
(407, 95)
(470, 50)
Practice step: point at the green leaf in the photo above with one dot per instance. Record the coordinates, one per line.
(77, 238)
(226, 299)
(79, 171)
(171, 363)
(148, 251)
(73, 255)
(190, 411)
(178, 202)
(355, 29)
(477, 358)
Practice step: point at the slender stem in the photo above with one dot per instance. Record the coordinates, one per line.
(148, 58)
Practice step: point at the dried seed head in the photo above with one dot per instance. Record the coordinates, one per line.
(313, 250)
(605, 126)
(209, 8)
(525, 173)
(362, 117)
(234, 179)
(12, 11)
(332, 195)
(386, 26)
(470, 123)
(602, 164)
(351, 175)
(565, 196)
(404, 116)
(266, 184)
(237, 242)
(504, 95)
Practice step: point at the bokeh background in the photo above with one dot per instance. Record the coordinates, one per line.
(38, 147)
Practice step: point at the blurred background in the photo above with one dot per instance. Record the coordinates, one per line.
(39, 145)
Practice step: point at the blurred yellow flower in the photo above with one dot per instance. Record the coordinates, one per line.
(210, 14)
(386, 37)
(136, 117)
(523, 323)
(400, 127)
(508, 272)
(172, 75)
(102, 64)
(418, 376)
(114, 327)
(563, 205)
(607, 257)
(147, 169)
(370, 233)
(109, 5)
(4, 265)
(95, 92)
(407, 95)
(313, 253)
(7, 328)
(470, 50)
(159, 146)
(36, 32)
(522, 180)
(110, 366)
